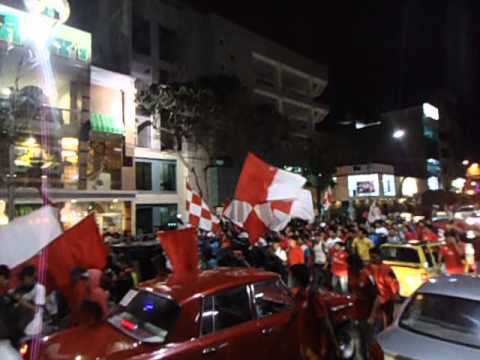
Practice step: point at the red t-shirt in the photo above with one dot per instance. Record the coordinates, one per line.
(296, 256)
(452, 259)
(385, 281)
(339, 263)
(363, 292)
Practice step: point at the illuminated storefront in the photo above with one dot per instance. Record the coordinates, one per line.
(71, 123)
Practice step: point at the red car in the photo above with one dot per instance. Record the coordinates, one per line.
(227, 313)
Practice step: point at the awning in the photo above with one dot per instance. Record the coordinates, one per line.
(106, 124)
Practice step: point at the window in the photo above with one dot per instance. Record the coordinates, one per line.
(167, 175)
(428, 256)
(225, 310)
(271, 298)
(147, 317)
(447, 318)
(143, 172)
(400, 254)
(151, 218)
(168, 44)
(156, 175)
(141, 35)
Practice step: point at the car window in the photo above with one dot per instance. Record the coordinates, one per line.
(400, 254)
(145, 316)
(448, 318)
(226, 309)
(435, 251)
(271, 297)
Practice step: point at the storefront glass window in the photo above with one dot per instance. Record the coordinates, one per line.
(151, 218)
(105, 163)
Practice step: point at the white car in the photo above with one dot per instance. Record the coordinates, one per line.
(441, 321)
(464, 212)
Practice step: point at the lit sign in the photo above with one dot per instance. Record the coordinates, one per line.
(409, 187)
(16, 28)
(431, 111)
(363, 185)
(389, 185)
(56, 9)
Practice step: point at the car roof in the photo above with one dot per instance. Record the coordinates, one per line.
(461, 286)
(181, 289)
(414, 244)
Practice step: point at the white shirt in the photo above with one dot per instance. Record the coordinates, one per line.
(320, 256)
(281, 254)
(37, 297)
(382, 231)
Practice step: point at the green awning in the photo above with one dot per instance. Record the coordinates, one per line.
(106, 124)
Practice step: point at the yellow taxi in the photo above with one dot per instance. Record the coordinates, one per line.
(413, 263)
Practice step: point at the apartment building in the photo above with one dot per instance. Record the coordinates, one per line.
(168, 41)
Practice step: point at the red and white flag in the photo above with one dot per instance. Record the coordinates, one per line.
(267, 198)
(199, 213)
(37, 239)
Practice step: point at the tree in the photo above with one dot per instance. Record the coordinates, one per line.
(213, 116)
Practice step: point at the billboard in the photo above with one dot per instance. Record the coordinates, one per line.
(363, 185)
(388, 182)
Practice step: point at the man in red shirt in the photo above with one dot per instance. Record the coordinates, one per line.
(452, 256)
(296, 255)
(339, 267)
(387, 287)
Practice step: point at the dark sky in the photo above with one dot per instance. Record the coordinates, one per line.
(382, 54)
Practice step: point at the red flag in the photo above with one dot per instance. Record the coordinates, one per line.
(181, 247)
(79, 246)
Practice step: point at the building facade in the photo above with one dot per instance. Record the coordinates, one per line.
(167, 41)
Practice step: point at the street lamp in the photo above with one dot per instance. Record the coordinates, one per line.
(465, 162)
(398, 134)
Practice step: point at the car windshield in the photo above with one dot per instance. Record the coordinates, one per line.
(145, 316)
(444, 317)
(400, 254)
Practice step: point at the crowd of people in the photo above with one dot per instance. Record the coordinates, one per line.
(342, 256)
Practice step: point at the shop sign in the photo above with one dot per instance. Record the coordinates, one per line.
(65, 41)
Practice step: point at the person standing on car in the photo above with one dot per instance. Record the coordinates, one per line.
(387, 287)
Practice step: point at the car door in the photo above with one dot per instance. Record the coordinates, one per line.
(274, 309)
(234, 316)
(228, 327)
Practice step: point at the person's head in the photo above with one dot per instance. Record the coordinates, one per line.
(28, 276)
(4, 275)
(293, 243)
(450, 237)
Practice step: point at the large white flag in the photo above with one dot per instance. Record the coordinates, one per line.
(26, 236)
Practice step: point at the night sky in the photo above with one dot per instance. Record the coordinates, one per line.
(382, 55)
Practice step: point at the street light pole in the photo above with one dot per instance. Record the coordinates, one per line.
(11, 177)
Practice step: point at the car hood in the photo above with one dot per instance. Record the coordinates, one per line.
(397, 342)
(100, 341)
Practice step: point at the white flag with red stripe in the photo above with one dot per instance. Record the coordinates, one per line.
(26, 236)
(199, 213)
(267, 198)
